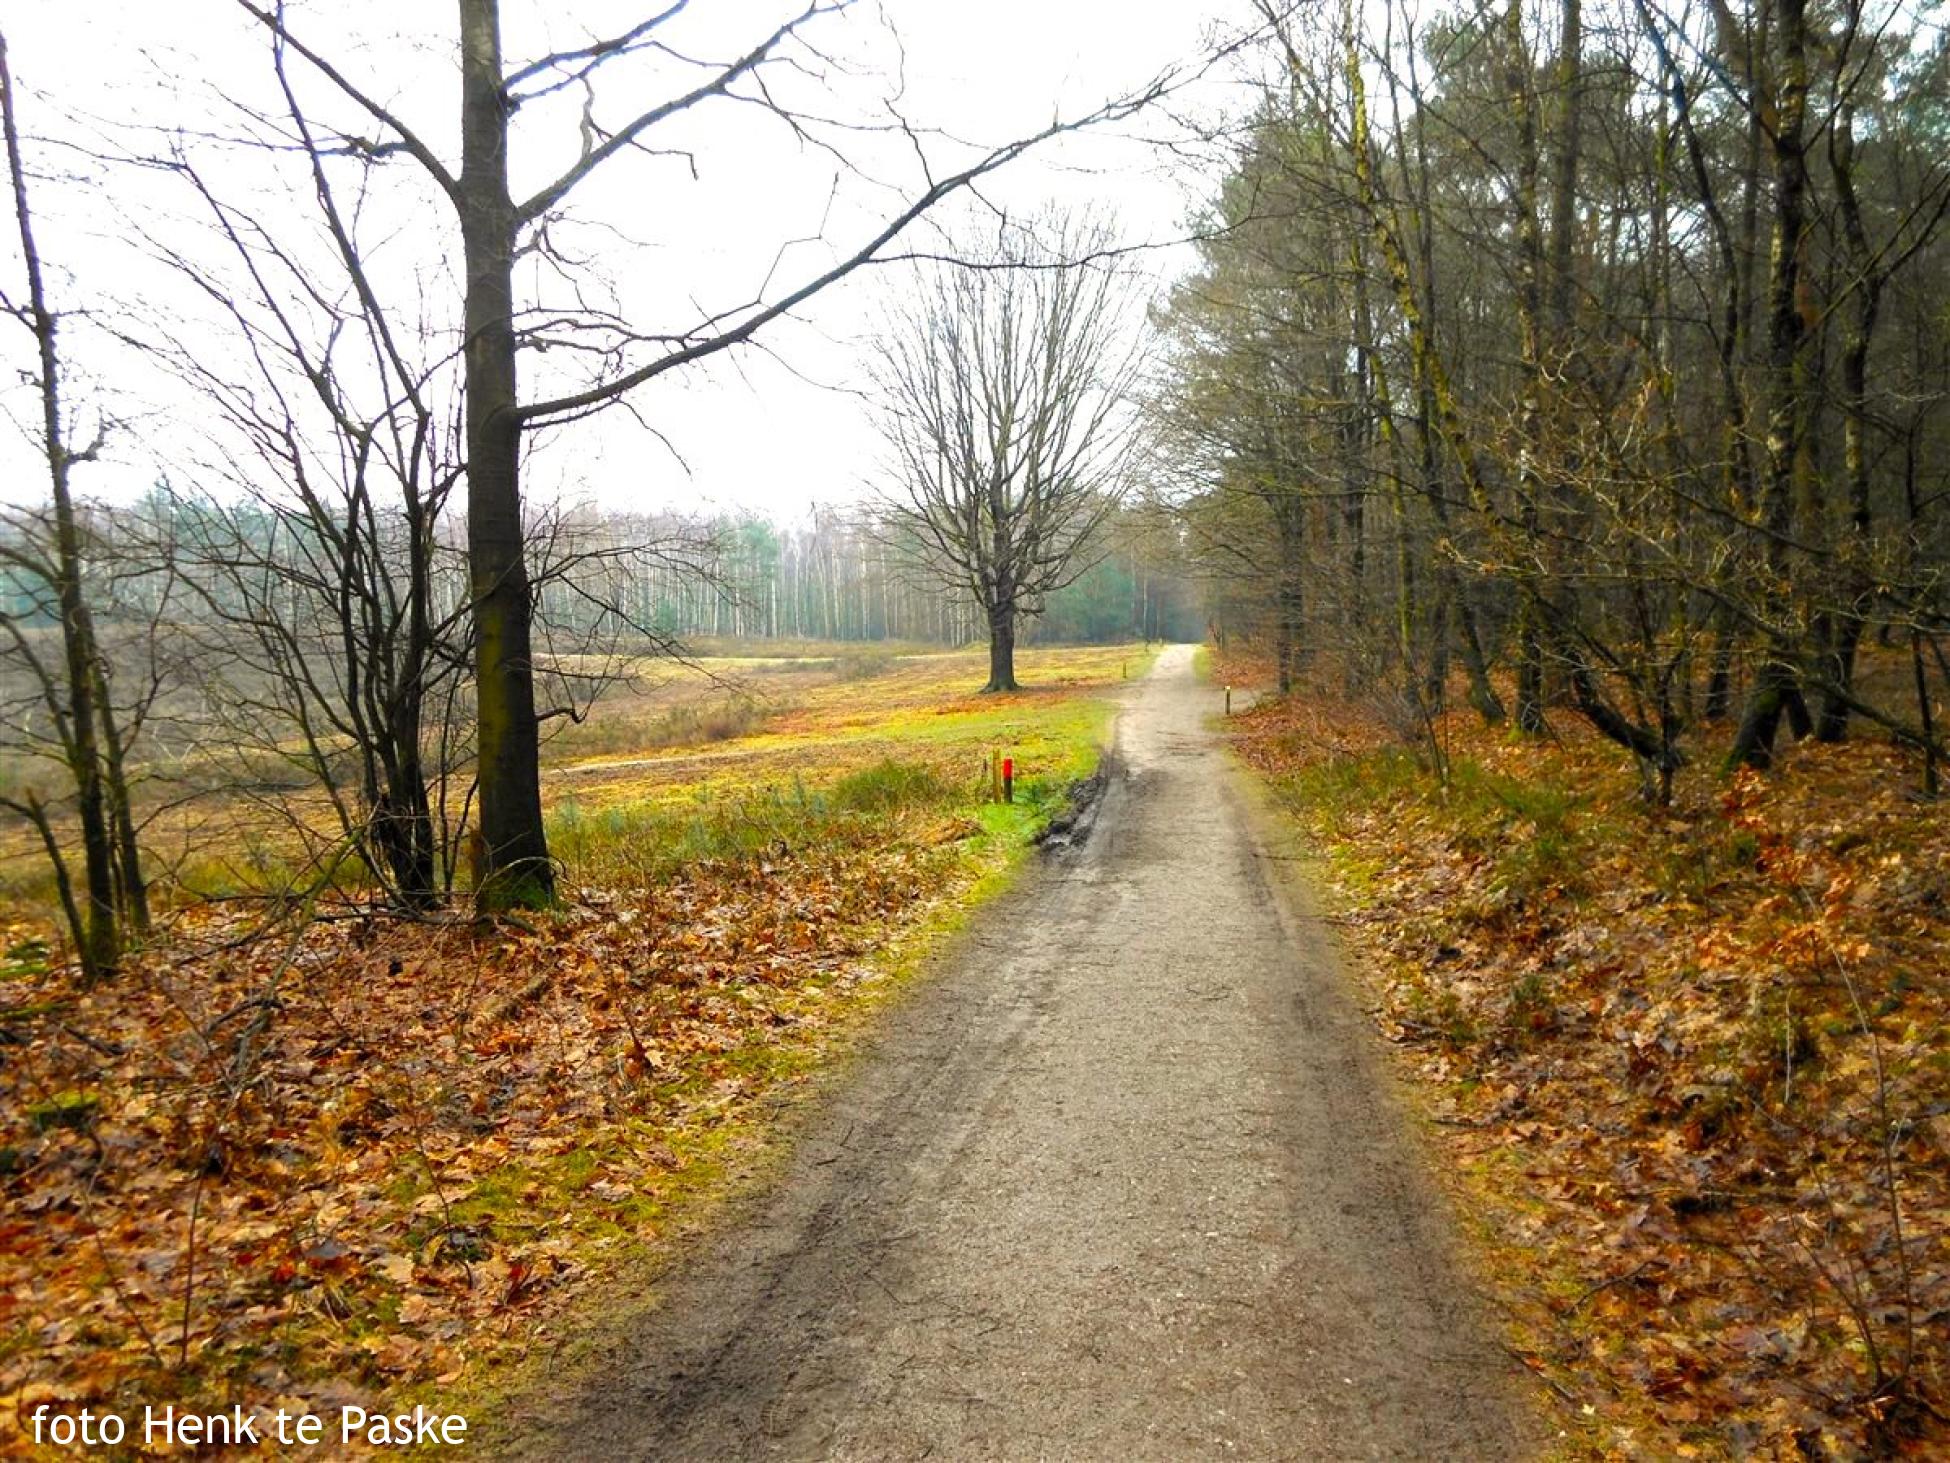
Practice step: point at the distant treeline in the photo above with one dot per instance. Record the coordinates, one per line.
(839, 576)
(835, 574)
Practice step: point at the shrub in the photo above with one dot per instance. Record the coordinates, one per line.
(889, 786)
(695, 723)
(862, 665)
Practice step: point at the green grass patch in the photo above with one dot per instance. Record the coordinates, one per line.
(1538, 836)
(1330, 789)
(889, 786)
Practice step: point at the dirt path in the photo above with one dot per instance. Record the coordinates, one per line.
(1122, 1181)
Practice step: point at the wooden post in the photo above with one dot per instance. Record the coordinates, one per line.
(1008, 779)
(1228, 700)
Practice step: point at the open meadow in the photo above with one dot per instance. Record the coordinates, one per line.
(320, 1159)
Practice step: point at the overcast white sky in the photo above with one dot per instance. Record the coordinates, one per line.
(772, 429)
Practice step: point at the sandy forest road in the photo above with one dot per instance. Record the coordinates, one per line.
(1120, 1181)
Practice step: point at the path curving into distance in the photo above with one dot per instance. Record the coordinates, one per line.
(1122, 1179)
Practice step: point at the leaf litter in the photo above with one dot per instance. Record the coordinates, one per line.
(1691, 1065)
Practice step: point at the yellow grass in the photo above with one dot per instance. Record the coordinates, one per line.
(817, 725)
(459, 1140)
(704, 736)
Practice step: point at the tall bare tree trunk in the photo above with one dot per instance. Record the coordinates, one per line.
(1858, 584)
(1290, 521)
(1359, 447)
(516, 870)
(1437, 407)
(1736, 473)
(1566, 157)
(1778, 682)
(1739, 331)
(1530, 354)
(96, 930)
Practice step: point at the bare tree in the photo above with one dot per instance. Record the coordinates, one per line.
(1631, 467)
(497, 227)
(1006, 380)
(44, 557)
(321, 587)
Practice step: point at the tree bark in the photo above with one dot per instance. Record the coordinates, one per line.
(517, 872)
(1735, 259)
(1290, 516)
(1530, 355)
(131, 887)
(1002, 651)
(1777, 689)
(1858, 585)
(1359, 447)
(96, 930)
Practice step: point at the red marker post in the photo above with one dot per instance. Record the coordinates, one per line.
(1008, 779)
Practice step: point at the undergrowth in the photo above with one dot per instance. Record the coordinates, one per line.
(1691, 1066)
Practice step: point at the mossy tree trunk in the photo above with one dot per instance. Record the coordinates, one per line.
(517, 871)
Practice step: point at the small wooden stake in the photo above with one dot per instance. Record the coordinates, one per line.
(1228, 700)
